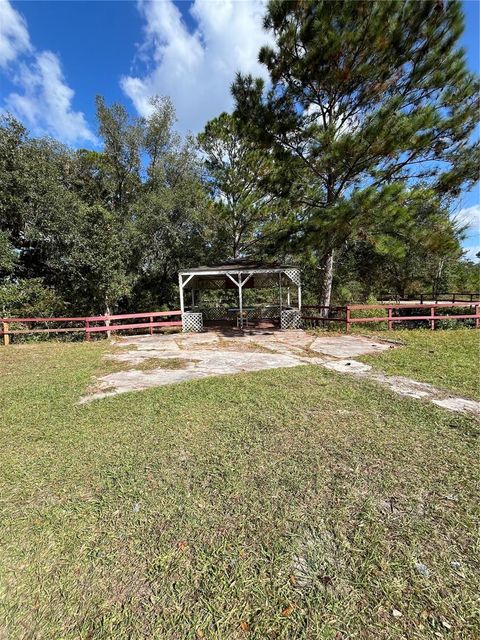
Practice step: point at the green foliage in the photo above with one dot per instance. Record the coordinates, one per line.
(238, 173)
(123, 142)
(464, 275)
(169, 229)
(97, 260)
(97, 230)
(7, 254)
(419, 257)
(29, 298)
(367, 119)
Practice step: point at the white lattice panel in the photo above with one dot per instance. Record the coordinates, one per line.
(257, 313)
(294, 275)
(266, 280)
(192, 322)
(215, 313)
(291, 319)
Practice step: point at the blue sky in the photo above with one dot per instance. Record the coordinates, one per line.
(56, 56)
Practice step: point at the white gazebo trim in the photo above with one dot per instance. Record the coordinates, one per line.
(240, 276)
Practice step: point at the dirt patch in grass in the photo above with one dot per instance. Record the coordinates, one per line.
(109, 364)
(224, 344)
(112, 365)
(163, 363)
(309, 353)
(261, 348)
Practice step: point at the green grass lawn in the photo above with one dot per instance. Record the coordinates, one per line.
(447, 359)
(286, 504)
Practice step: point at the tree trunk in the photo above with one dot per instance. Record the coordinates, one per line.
(437, 278)
(326, 294)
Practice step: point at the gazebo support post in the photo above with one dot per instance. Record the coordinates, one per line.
(280, 294)
(240, 283)
(240, 299)
(180, 288)
(299, 297)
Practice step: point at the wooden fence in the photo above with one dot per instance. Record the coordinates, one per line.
(344, 315)
(89, 325)
(101, 324)
(450, 296)
(325, 314)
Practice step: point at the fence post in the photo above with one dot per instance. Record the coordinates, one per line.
(151, 328)
(390, 323)
(347, 318)
(6, 337)
(432, 321)
(107, 324)
(87, 331)
(477, 316)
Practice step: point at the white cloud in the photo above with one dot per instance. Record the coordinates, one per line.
(343, 123)
(14, 38)
(196, 68)
(470, 218)
(470, 253)
(44, 100)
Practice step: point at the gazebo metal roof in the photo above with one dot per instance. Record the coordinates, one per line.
(238, 266)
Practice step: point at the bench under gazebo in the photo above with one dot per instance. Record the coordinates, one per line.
(240, 294)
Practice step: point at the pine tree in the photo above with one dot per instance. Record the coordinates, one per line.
(237, 172)
(371, 103)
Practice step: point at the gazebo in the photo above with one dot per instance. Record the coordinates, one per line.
(235, 279)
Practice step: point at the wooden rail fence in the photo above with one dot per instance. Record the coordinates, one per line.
(90, 324)
(450, 296)
(427, 312)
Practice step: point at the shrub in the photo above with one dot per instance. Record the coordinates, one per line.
(29, 298)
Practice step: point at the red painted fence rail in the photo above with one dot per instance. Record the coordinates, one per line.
(429, 312)
(89, 324)
(449, 296)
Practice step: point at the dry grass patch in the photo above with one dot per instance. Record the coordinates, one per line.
(163, 363)
(111, 364)
(224, 344)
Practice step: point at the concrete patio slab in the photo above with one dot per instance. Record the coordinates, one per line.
(215, 353)
(205, 364)
(405, 386)
(348, 346)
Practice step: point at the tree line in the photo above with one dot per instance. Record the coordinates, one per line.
(348, 163)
